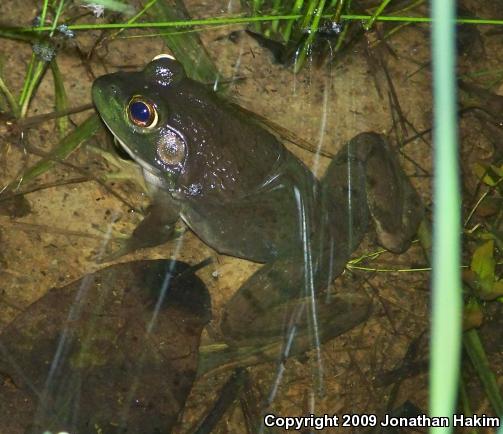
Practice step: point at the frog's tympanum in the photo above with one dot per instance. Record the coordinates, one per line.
(244, 194)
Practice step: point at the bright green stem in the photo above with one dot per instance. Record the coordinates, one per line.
(245, 20)
(340, 39)
(338, 11)
(306, 47)
(56, 18)
(38, 72)
(256, 7)
(9, 97)
(378, 12)
(44, 12)
(27, 79)
(136, 17)
(308, 16)
(446, 278)
(275, 9)
(295, 11)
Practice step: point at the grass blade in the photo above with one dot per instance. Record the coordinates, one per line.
(66, 146)
(446, 276)
(61, 99)
(187, 47)
(477, 355)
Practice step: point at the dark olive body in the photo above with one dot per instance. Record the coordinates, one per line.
(244, 194)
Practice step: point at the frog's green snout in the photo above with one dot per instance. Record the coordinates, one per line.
(96, 93)
(101, 88)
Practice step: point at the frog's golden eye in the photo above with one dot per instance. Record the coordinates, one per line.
(142, 112)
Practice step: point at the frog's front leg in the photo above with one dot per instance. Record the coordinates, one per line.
(156, 228)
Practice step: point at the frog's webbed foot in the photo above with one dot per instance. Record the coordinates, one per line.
(365, 178)
(274, 304)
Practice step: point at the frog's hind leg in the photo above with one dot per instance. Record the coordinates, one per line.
(366, 180)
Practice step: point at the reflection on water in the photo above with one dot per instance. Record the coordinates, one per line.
(134, 345)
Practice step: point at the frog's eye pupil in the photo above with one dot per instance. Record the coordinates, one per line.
(142, 113)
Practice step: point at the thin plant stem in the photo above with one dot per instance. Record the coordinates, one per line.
(376, 14)
(137, 16)
(299, 61)
(309, 13)
(295, 11)
(409, 7)
(43, 14)
(275, 9)
(39, 70)
(35, 69)
(27, 79)
(9, 97)
(56, 17)
(338, 11)
(254, 19)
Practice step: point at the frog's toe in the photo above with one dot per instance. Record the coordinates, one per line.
(333, 315)
(396, 233)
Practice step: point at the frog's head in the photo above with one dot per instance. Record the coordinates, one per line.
(183, 135)
(134, 108)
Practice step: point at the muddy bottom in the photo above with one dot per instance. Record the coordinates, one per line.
(68, 216)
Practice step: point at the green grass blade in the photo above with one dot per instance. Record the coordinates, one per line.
(27, 80)
(376, 14)
(56, 18)
(44, 12)
(66, 146)
(245, 20)
(477, 355)
(275, 10)
(15, 35)
(446, 279)
(313, 29)
(61, 99)
(33, 81)
(297, 6)
(187, 48)
(9, 97)
(136, 17)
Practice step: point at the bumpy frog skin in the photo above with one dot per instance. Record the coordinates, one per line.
(241, 192)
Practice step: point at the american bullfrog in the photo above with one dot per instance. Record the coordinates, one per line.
(244, 194)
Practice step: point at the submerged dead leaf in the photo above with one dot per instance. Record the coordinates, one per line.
(113, 352)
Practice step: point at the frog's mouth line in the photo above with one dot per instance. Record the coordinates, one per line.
(144, 165)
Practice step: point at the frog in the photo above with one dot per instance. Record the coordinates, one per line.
(243, 193)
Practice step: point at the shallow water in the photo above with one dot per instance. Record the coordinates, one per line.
(374, 367)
